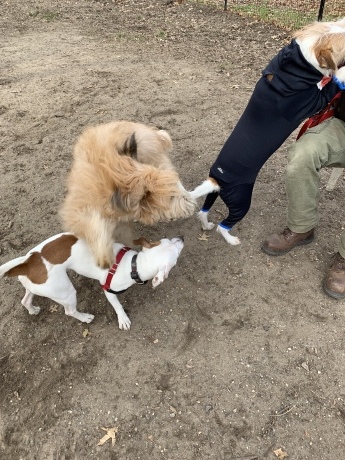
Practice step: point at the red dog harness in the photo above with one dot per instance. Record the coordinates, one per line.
(315, 120)
(134, 273)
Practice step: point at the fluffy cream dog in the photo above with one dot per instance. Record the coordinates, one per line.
(121, 173)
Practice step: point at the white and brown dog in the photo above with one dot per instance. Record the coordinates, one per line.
(43, 271)
(323, 45)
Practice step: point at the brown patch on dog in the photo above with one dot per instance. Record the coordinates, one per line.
(59, 250)
(33, 268)
(142, 241)
(324, 57)
(213, 181)
(330, 50)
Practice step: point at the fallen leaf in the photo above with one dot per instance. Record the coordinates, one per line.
(86, 332)
(111, 434)
(280, 454)
(53, 308)
(203, 237)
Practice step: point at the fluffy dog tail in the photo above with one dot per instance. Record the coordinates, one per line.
(7, 269)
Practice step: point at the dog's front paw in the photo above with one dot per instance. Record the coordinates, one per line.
(34, 310)
(84, 317)
(205, 224)
(233, 240)
(124, 322)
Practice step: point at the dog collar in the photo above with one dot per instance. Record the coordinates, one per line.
(134, 272)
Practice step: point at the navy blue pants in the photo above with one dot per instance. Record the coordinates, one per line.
(260, 131)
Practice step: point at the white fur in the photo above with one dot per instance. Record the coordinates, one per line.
(307, 47)
(152, 263)
(340, 74)
(204, 189)
(233, 240)
(206, 225)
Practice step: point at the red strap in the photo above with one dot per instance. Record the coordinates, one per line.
(327, 112)
(113, 268)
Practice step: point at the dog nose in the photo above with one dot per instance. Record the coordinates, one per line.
(181, 238)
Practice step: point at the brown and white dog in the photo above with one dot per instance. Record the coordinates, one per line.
(323, 46)
(43, 271)
(121, 173)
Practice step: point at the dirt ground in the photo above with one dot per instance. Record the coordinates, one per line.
(236, 354)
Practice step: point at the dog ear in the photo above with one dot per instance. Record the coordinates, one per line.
(325, 59)
(130, 147)
(142, 241)
(162, 275)
(121, 201)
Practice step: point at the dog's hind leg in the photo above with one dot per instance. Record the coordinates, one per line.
(27, 303)
(233, 240)
(124, 321)
(203, 217)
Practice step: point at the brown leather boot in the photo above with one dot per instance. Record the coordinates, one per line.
(281, 243)
(334, 282)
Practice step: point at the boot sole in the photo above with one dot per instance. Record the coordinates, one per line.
(272, 252)
(334, 295)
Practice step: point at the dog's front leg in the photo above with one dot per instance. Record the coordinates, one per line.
(124, 321)
(69, 302)
(208, 186)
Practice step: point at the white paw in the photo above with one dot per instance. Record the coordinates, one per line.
(205, 224)
(233, 240)
(84, 317)
(34, 310)
(124, 322)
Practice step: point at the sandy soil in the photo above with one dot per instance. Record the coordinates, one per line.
(236, 355)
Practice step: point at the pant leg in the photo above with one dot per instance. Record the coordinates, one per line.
(321, 146)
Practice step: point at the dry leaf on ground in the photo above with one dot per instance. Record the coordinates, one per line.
(280, 454)
(111, 434)
(203, 237)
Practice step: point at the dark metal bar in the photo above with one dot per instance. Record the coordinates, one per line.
(322, 4)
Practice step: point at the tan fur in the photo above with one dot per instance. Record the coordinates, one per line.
(330, 51)
(142, 241)
(105, 186)
(327, 41)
